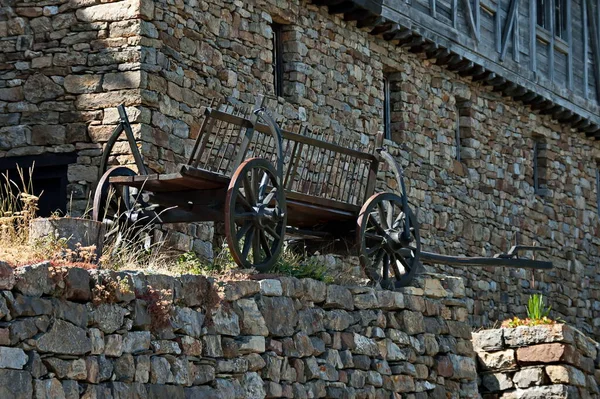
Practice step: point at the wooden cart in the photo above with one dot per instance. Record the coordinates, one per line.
(263, 183)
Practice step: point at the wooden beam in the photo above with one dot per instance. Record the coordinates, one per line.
(358, 15)
(533, 35)
(508, 26)
(392, 31)
(372, 21)
(542, 105)
(551, 109)
(586, 38)
(432, 8)
(454, 58)
(595, 43)
(471, 19)
(454, 12)
(414, 42)
(497, 81)
(551, 45)
(527, 97)
(383, 28)
(464, 65)
(342, 8)
(570, 43)
(327, 2)
(484, 76)
(517, 91)
(582, 124)
(506, 86)
(470, 71)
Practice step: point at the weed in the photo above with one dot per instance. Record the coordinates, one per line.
(159, 306)
(300, 266)
(537, 314)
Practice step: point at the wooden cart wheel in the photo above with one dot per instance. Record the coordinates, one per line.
(386, 247)
(109, 200)
(255, 215)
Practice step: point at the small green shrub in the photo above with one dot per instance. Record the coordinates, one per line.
(537, 314)
(296, 265)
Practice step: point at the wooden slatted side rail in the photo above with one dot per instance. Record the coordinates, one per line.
(314, 165)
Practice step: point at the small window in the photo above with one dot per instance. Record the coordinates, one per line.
(545, 15)
(48, 180)
(598, 188)
(457, 134)
(277, 59)
(540, 163)
(560, 18)
(387, 109)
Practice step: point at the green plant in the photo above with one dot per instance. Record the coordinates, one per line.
(536, 310)
(299, 266)
(537, 314)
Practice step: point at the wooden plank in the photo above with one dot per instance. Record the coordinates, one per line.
(585, 52)
(532, 35)
(471, 19)
(593, 19)
(551, 49)
(498, 27)
(454, 13)
(320, 201)
(508, 27)
(516, 39)
(432, 8)
(571, 49)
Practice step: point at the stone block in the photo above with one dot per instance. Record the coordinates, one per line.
(64, 338)
(562, 374)
(495, 382)
(12, 358)
(489, 340)
(121, 80)
(38, 88)
(276, 309)
(523, 336)
(78, 84)
(464, 367)
(528, 377)
(497, 360)
(15, 384)
(338, 297)
(314, 291)
(270, 287)
(547, 353)
(116, 11)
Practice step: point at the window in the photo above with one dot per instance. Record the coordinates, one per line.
(49, 178)
(457, 133)
(387, 118)
(598, 188)
(277, 59)
(558, 15)
(540, 162)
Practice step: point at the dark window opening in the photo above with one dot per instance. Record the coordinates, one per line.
(457, 134)
(546, 15)
(598, 188)
(540, 164)
(560, 15)
(387, 117)
(277, 58)
(48, 180)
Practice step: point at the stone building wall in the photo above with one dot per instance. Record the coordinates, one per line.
(166, 59)
(544, 361)
(71, 333)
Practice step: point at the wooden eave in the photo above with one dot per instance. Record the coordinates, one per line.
(397, 21)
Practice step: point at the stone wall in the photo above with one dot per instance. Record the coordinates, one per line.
(555, 361)
(165, 59)
(72, 333)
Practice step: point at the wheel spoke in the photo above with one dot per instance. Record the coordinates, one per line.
(270, 196)
(255, 182)
(386, 266)
(382, 218)
(407, 267)
(248, 190)
(265, 243)
(376, 224)
(390, 213)
(394, 262)
(242, 231)
(373, 236)
(242, 200)
(263, 186)
(256, 247)
(272, 232)
(244, 216)
(372, 250)
(247, 244)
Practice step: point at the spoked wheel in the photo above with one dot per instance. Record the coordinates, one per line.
(389, 247)
(117, 203)
(255, 215)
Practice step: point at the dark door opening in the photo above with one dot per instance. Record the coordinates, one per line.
(49, 178)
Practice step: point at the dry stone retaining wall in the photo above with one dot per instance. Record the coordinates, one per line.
(537, 362)
(70, 333)
(65, 65)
